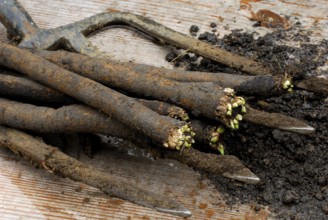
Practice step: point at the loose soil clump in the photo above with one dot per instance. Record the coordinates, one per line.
(293, 167)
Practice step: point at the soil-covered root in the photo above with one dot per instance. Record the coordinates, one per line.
(206, 99)
(79, 118)
(208, 134)
(261, 85)
(225, 165)
(15, 86)
(83, 119)
(76, 119)
(315, 84)
(164, 108)
(162, 129)
(56, 162)
(228, 166)
(66, 119)
(278, 121)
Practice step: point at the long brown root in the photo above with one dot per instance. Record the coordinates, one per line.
(161, 129)
(15, 86)
(78, 118)
(262, 85)
(54, 161)
(207, 99)
(315, 84)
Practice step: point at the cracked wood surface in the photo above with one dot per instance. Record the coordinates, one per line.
(29, 193)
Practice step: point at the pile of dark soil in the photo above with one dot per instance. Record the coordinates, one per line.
(293, 167)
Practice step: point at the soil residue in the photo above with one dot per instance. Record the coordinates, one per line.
(293, 167)
(298, 61)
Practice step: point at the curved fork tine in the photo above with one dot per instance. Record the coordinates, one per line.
(165, 34)
(82, 45)
(16, 18)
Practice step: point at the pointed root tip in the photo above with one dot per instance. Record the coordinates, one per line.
(301, 129)
(243, 175)
(179, 211)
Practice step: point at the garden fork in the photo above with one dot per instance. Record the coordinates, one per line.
(22, 29)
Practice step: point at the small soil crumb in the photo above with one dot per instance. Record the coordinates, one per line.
(213, 25)
(209, 37)
(193, 30)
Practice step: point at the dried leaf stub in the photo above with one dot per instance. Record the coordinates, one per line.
(269, 19)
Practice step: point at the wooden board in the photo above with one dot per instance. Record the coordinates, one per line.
(29, 193)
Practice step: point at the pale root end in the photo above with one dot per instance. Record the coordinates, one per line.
(287, 85)
(214, 139)
(231, 109)
(178, 113)
(180, 138)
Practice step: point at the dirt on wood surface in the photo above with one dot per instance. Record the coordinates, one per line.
(293, 167)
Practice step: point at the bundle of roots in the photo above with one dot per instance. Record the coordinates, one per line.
(169, 113)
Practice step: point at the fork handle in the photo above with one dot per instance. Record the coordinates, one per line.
(15, 18)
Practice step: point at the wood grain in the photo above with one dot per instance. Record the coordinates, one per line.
(29, 193)
(127, 45)
(36, 194)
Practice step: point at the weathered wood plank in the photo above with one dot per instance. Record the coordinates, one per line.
(29, 193)
(35, 194)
